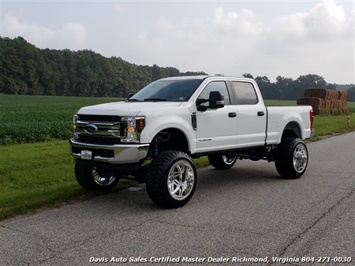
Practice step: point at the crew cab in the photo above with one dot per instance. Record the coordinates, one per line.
(153, 135)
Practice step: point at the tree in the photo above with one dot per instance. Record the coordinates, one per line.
(248, 75)
(306, 82)
(26, 69)
(283, 88)
(351, 94)
(266, 87)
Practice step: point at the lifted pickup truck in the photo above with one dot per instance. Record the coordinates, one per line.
(153, 136)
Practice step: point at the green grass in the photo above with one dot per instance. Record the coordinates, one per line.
(351, 107)
(29, 119)
(328, 124)
(38, 175)
(41, 175)
(280, 102)
(35, 175)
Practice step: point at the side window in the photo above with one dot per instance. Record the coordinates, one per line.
(216, 86)
(245, 93)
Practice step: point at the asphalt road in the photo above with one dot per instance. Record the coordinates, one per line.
(243, 214)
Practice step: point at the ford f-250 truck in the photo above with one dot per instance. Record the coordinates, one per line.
(153, 136)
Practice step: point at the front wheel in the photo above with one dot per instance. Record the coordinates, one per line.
(291, 159)
(222, 161)
(171, 179)
(93, 178)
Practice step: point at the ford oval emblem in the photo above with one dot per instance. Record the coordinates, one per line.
(90, 128)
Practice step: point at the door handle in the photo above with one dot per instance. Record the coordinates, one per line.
(261, 113)
(232, 114)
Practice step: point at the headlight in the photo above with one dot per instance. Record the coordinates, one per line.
(134, 127)
(75, 119)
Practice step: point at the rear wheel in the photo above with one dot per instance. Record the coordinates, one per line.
(292, 158)
(222, 161)
(171, 179)
(94, 178)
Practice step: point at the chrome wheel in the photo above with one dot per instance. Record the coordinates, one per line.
(94, 179)
(181, 180)
(291, 158)
(222, 161)
(171, 179)
(102, 180)
(300, 158)
(228, 159)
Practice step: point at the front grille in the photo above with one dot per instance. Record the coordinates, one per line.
(99, 118)
(100, 129)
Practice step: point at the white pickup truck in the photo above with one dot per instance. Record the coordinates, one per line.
(153, 136)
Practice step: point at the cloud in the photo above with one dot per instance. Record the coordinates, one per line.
(224, 40)
(319, 41)
(200, 43)
(326, 20)
(118, 8)
(244, 23)
(69, 36)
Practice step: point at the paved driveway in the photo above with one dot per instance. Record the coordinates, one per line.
(243, 214)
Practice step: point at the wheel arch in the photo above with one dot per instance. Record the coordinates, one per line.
(292, 129)
(172, 139)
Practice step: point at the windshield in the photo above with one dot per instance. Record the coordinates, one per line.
(178, 90)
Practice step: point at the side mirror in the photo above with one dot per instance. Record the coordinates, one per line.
(216, 100)
(201, 101)
(201, 108)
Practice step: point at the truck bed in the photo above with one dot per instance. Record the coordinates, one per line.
(280, 117)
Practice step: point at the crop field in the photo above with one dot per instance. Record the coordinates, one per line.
(29, 119)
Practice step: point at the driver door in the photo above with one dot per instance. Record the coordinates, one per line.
(216, 128)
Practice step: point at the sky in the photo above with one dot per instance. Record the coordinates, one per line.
(264, 38)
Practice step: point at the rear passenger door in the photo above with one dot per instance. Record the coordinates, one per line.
(251, 114)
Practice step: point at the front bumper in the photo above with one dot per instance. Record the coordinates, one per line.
(113, 154)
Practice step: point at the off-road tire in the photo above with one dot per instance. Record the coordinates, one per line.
(222, 161)
(171, 179)
(291, 158)
(89, 178)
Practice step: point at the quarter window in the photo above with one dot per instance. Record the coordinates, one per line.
(245, 93)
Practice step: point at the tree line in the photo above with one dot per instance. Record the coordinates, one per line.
(26, 69)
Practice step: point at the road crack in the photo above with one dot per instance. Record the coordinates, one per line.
(307, 230)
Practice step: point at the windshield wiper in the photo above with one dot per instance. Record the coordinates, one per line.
(154, 99)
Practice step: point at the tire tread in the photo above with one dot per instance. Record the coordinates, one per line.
(156, 181)
(283, 158)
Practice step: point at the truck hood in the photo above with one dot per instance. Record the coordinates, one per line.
(127, 108)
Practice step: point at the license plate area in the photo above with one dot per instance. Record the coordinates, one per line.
(86, 155)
